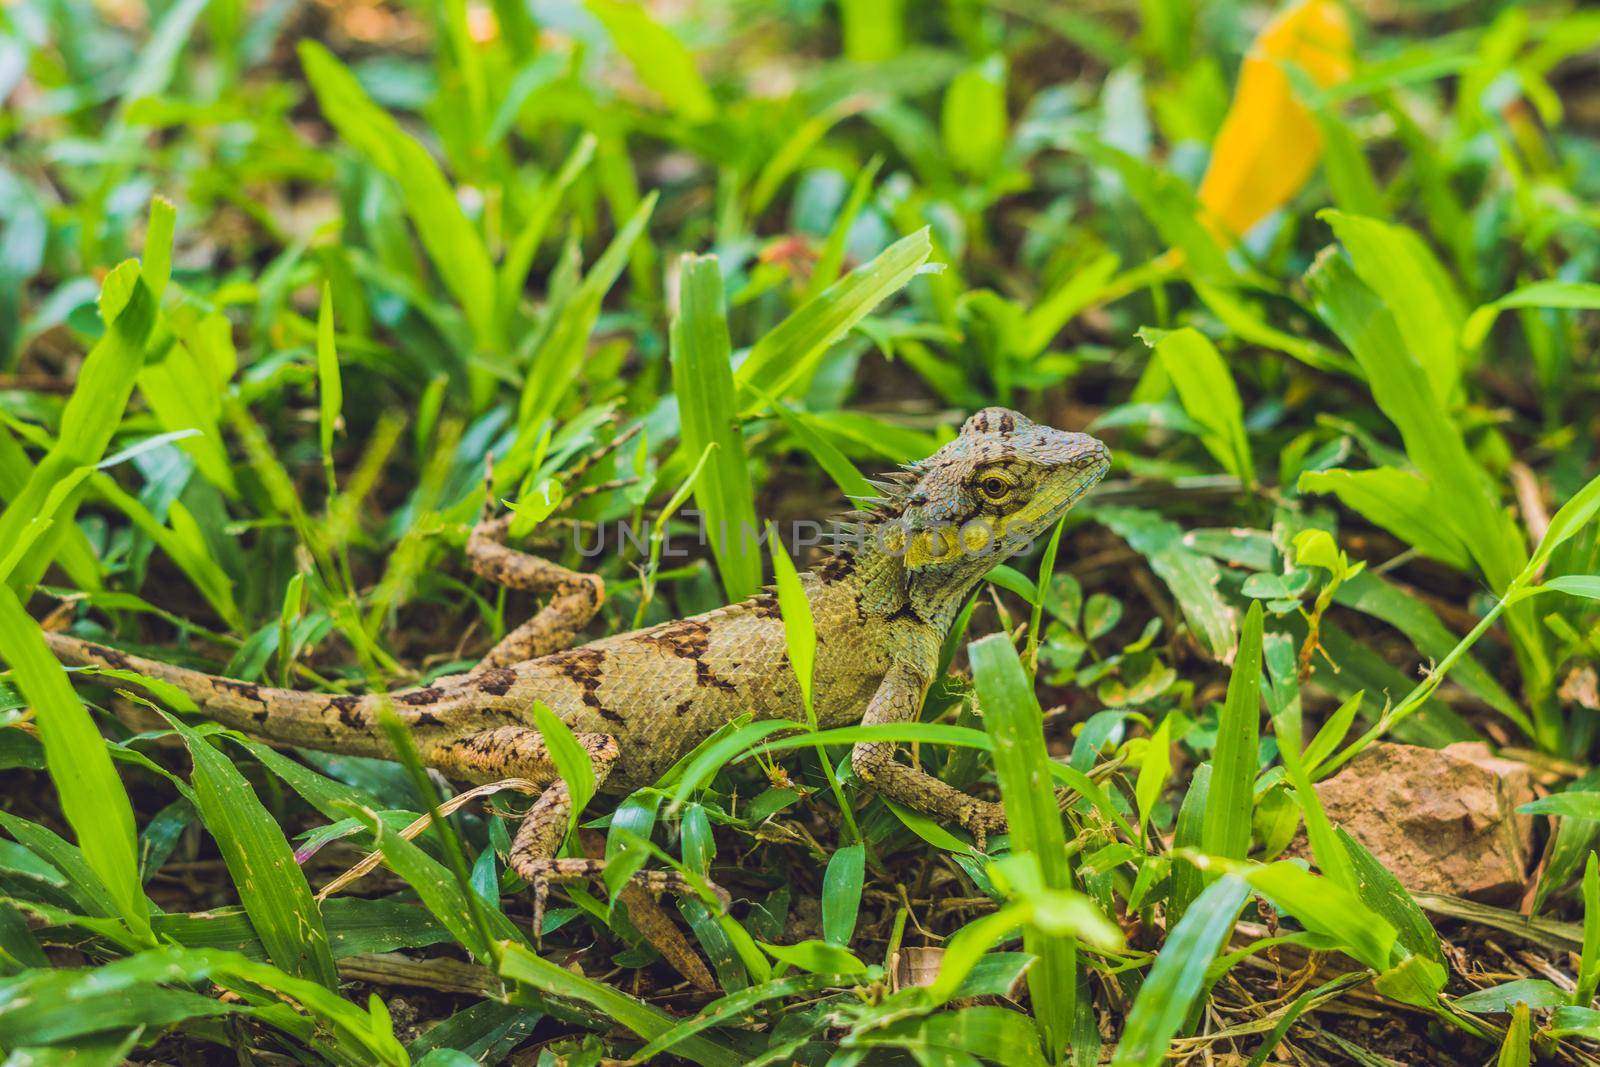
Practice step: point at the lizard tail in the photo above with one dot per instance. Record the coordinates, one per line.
(333, 723)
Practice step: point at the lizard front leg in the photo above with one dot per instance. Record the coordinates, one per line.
(899, 699)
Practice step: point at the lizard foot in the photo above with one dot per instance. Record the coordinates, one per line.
(541, 874)
(983, 818)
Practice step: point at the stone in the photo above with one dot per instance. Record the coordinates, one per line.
(1442, 820)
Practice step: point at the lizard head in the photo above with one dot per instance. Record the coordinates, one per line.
(987, 495)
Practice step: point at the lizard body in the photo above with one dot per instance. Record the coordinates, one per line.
(638, 701)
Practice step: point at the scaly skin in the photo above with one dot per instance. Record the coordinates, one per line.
(638, 701)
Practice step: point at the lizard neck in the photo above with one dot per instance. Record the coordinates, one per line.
(886, 589)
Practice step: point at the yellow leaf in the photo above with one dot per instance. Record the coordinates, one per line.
(1269, 143)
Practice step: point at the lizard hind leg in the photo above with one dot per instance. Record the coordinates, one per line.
(518, 751)
(575, 596)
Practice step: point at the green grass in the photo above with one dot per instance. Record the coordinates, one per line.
(268, 306)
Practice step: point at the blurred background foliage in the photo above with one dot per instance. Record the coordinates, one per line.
(278, 277)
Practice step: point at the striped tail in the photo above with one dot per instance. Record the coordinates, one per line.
(332, 723)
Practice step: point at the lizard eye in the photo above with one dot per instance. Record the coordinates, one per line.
(994, 488)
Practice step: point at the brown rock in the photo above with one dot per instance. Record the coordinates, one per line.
(1442, 820)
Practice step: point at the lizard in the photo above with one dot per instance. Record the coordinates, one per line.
(882, 602)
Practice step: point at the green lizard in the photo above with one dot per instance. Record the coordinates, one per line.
(882, 603)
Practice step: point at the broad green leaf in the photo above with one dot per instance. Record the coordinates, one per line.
(1325, 908)
(1395, 263)
(841, 893)
(998, 1035)
(1534, 992)
(1469, 506)
(816, 957)
(973, 121)
(1399, 501)
(1192, 577)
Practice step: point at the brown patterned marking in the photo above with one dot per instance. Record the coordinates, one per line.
(689, 639)
(684, 707)
(1007, 423)
(429, 695)
(427, 718)
(350, 713)
(765, 606)
(497, 681)
(261, 716)
(113, 658)
(586, 667)
(244, 690)
(836, 568)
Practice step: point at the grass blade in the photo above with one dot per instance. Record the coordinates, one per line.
(1208, 394)
(520, 965)
(1225, 830)
(702, 376)
(271, 885)
(1022, 764)
(1179, 973)
(786, 357)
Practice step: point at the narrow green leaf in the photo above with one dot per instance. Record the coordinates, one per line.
(92, 796)
(1154, 770)
(1589, 960)
(1022, 764)
(1208, 394)
(787, 355)
(658, 58)
(702, 376)
(330, 389)
(457, 251)
(571, 759)
(1179, 973)
(1541, 294)
(1226, 828)
(271, 885)
(1395, 263)
(519, 964)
